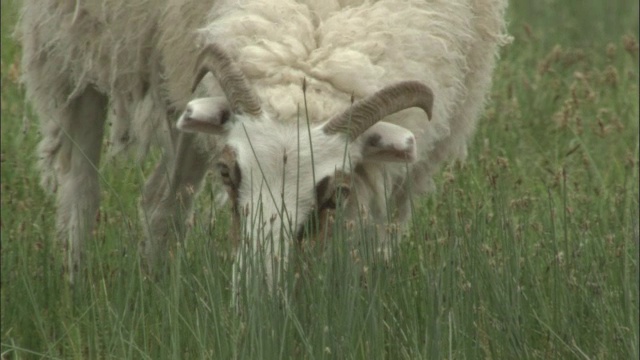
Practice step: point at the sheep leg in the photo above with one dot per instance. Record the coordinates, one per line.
(78, 193)
(168, 199)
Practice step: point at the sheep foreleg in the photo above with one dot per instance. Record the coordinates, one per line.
(168, 198)
(78, 193)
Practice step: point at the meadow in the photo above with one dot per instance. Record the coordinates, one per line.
(528, 250)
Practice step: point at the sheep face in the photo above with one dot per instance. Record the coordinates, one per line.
(284, 180)
(281, 176)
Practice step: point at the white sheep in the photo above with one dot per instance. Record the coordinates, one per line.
(395, 56)
(81, 60)
(137, 58)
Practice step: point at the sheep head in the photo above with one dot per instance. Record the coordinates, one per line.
(281, 175)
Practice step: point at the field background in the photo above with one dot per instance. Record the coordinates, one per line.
(527, 251)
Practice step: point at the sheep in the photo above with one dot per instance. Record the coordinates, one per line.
(84, 60)
(405, 63)
(429, 62)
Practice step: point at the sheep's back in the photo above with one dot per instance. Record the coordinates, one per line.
(350, 47)
(107, 44)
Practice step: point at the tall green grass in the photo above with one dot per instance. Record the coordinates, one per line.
(527, 250)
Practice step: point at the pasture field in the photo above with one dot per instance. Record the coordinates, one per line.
(528, 250)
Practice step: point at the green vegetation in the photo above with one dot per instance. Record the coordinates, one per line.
(528, 250)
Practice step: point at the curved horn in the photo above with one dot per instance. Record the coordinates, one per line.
(235, 85)
(391, 99)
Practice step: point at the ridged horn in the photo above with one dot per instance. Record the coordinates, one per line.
(235, 85)
(366, 112)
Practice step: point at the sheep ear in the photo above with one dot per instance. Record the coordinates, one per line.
(207, 115)
(388, 142)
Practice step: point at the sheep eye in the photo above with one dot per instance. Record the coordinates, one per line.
(228, 169)
(340, 194)
(342, 191)
(329, 194)
(225, 173)
(223, 169)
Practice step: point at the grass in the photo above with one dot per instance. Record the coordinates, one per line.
(528, 250)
